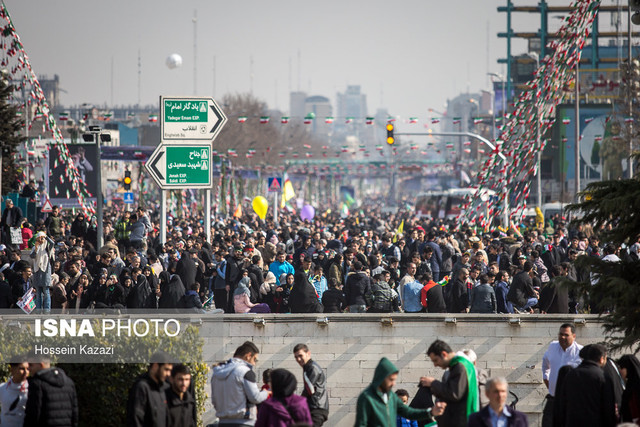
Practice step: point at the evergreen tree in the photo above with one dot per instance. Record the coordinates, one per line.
(613, 289)
(10, 132)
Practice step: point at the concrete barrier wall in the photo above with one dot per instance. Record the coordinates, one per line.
(350, 346)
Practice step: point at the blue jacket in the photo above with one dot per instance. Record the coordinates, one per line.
(503, 305)
(279, 268)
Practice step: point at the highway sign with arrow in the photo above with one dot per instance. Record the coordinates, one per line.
(190, 119)
(181, 166)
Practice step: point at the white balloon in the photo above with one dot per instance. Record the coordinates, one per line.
(174, 61)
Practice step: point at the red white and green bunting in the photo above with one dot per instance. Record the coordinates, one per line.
(242, 119)
(517, 140)
(153, 118)
(264, 119)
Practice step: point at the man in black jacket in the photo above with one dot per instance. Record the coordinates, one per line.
(357, 287)
(11, 217)
(521, 292)
(147, 404)
(315, 385)
(52, 399)
(584, 396)
(180, 402)
(460, 394)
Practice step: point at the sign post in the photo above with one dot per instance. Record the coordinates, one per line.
(275, 185)
(188, 126)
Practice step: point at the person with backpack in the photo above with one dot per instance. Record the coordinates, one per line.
(383, 299)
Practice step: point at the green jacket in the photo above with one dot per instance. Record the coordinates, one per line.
(371, 409)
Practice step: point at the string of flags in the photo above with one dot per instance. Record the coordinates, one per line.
(517, 140)
(16, 60)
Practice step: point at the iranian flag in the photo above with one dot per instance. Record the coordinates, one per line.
(325, 147)
(284, 120)
(457, 120)
(379, 147)
(38, 115)
(130, 115)
(248, 155)
(251, 151)
(391, 119)
(598, 138)
(281, 154)
(308, 146)
(361, 148)
(450, 145)
(242, 119)
(264, 119)
(295, 154)
(231, 150)
(153, 118)
(628, 119)
(308, 154)
(477, 120)
(308, 120)
(414, 146)
(344, 149)
(328, 120)
(369, 120)
(466, 143)
(63, 116)
(348, 120)
(413, 120)
(107, 116)
(566, 120)
(435, 120)
(588, 120)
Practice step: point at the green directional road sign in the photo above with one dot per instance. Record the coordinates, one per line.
(181, 166)
(190, 119)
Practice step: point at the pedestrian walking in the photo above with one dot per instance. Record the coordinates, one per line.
(234, 388)
(564, 351)
(379, 406)
(52, 398)
(460, 387)
(147, 403)
(315, 385)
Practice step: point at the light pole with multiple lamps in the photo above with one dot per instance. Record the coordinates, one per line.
(95, 134)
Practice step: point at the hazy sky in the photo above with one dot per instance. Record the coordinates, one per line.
(407, 55)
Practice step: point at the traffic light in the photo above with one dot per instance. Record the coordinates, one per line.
(126, 182)
(390, 139)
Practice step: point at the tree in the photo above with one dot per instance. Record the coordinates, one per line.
(613, 208)
(10, 127)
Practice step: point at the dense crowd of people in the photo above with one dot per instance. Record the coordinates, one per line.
(364, 262)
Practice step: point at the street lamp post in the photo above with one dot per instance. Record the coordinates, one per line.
(95, 134)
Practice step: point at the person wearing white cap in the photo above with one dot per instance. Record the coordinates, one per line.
(42, 254)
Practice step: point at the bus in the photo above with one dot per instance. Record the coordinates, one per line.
(448, 204)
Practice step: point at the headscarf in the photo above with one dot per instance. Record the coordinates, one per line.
(283, 383)
(243, 287)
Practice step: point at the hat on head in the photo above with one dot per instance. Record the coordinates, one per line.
(41, 234)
